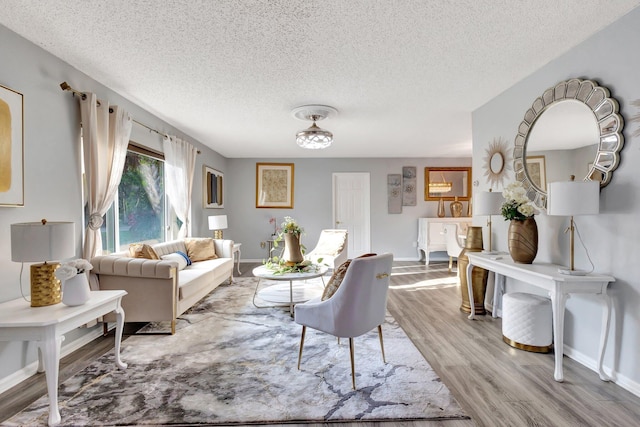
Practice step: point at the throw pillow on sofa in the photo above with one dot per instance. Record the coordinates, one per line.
(180, 259)
(200, 249)
(337, 277)
(142, 250)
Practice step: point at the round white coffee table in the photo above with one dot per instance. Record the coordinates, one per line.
(282, 294)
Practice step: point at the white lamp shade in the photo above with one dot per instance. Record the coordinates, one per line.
(38, 242)
(488, 203)
(573, 198)
(218, 222)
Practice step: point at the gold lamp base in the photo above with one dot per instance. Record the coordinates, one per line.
(45, 288)
(217, 234)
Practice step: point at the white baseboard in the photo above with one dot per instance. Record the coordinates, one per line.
(31, 369)
(621, 380)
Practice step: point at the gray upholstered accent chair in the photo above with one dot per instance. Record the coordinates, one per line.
(358, 305)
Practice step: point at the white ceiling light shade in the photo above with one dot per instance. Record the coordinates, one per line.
(314, 137)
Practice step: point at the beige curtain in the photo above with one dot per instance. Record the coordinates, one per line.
(105, 134)
(180, 164)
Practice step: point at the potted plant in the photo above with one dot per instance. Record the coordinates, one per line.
(75, 286)
(523, 230)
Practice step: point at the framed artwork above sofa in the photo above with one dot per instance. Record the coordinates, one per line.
(212, 187)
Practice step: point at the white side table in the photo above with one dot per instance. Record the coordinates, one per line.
(47, 326)
(283, 294)
(236, 250)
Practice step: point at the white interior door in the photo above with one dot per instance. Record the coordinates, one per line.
(351, 210)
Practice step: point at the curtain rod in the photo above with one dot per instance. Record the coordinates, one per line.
(65, 86)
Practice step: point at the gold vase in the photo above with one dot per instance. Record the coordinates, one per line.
(523, 240)
(478, 275)
(292, 253)
(456, 208)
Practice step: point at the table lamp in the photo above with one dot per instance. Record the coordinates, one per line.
(488, 203)
(217, 223)
(570, 198)
(43, 241)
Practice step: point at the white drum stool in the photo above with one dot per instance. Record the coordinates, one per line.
(527, 322)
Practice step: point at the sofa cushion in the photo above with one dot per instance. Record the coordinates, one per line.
(178, 257)
(337, 277)
(200, 249)
(142, 250)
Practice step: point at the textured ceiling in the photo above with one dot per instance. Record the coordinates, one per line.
(405, 75)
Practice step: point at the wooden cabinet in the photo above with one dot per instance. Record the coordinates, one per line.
(431, 233)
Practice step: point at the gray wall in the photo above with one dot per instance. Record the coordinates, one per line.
(612, 58)
(396, 233)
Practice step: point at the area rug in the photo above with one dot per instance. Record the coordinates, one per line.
(233, 363)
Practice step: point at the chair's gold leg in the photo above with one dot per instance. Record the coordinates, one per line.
(173, 327)
(353, 370)
(450, 263)
(381, 343)
(304, 330)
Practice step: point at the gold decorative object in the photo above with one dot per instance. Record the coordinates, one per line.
(45, 288)
(497, 161)
(470, 207)
(441, 208)
(456, 208)
(523, 240)
(478, 275)
(292, 253)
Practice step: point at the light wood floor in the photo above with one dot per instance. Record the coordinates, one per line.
(495, 384)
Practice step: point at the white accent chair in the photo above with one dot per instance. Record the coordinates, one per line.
(358, 306)
(454, 248)
(331, 247)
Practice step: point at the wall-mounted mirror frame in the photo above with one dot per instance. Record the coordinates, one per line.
(497, 162)
(456, 180)
(609, 123)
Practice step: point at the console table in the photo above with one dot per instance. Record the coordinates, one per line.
(559, 287)
(431, 236)
(47, 326)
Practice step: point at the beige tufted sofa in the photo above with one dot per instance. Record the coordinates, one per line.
(158, 290)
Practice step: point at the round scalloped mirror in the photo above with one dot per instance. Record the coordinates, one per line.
(574, 128)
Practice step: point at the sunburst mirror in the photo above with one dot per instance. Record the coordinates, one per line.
(497, 162)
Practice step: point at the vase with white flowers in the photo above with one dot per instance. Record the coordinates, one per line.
(523, 230)
(75, 285)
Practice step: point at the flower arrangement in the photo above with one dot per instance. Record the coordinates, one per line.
(517, 205)
(69, 269)
(289, 226)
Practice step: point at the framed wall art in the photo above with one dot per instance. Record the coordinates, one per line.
(11, 148)
(537, 171)
(213, 188)
(409, 174)
(274, 185)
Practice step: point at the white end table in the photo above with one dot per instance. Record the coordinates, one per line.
(47, 326)
(280, 294)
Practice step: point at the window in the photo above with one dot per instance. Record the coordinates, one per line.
(140, 206)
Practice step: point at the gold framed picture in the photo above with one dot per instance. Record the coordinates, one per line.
(274, 185)
(212, 186)
(11, 148)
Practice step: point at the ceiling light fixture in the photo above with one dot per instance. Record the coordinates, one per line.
(314, 137)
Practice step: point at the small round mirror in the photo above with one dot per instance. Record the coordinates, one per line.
(496, 164)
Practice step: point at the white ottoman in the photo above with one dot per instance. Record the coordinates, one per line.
(527, 322)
